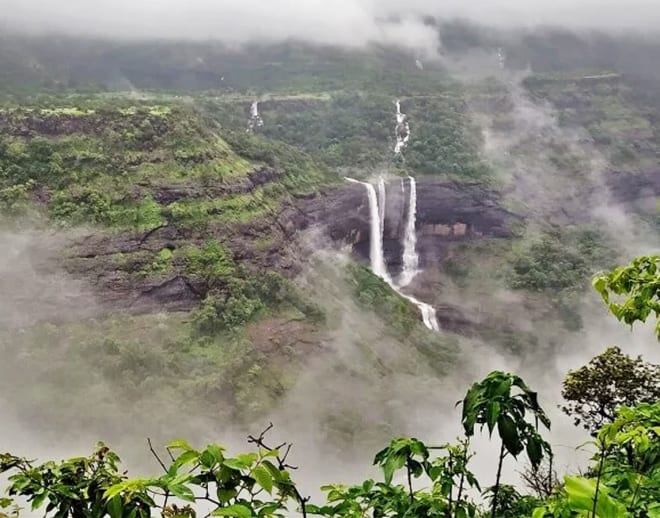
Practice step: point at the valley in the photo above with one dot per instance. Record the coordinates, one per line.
(199, 238)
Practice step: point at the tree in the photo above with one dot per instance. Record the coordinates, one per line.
(625, 481)
(542, 480)
(250, 484)
(639, 284)
(595, 392)
(504, 400)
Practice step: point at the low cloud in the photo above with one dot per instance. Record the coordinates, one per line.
(342, 22)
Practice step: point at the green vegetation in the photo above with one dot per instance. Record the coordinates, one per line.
(374, 293)
(444, 141)
(109, 165)
(559, 260)
(612, 380)
(622, 482)
(178, 192)
(639, 286)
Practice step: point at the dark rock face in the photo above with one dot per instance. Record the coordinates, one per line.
(446, 212)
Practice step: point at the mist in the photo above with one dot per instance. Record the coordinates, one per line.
(378, 391)
(344, 22)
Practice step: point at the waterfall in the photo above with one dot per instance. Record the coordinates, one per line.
(377, 257)
(429, 316)
(382, 203)
(410, 256)
(255, 120)
(402, 130)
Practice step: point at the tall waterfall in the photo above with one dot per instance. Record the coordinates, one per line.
(255, 120)
(402, 130)
(382, 203)
(410, 256)
(377, 257)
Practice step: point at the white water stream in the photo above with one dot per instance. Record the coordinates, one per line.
(410, 256)
(382, 203)
(402, 129)
(255, 119)
(377, 257)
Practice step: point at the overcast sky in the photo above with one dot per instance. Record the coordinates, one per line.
(352, 22)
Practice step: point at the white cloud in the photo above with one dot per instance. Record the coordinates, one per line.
(349, 22)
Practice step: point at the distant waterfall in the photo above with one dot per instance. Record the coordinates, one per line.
(402, 130)
(410, 256)
(255, 120)
(377, 257)
(382, 203)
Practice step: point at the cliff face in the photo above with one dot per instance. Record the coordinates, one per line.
(115, 263)
(446, 212)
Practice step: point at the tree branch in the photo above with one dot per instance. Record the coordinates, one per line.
(282, 465)
(153, 452)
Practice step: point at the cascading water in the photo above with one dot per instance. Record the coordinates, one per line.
(255, 119)
(410, 256)
(377, 257)
(402, 129)
(382, 203)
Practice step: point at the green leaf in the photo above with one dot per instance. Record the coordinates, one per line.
(38, 500)
(113, 491)
(225, 495)
(115, 507)
(581, 494)
(238, 510)
(186, 458)
(182, 492)
(392, 464)
(493, 414)
(179, 444)
(503, 388)
(509, 434)
(207, 459)
(263, 477)
(534, 450)
(278, 476)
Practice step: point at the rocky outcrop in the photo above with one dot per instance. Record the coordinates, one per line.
(446, 212)
(116, 263)
(195, 190)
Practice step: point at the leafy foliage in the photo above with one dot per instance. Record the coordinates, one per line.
(258, 484)
(639, 283)
(595, 392)
(558, 260)
(493, 402)
(374, 293)
(76, 487)
(504, 399)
